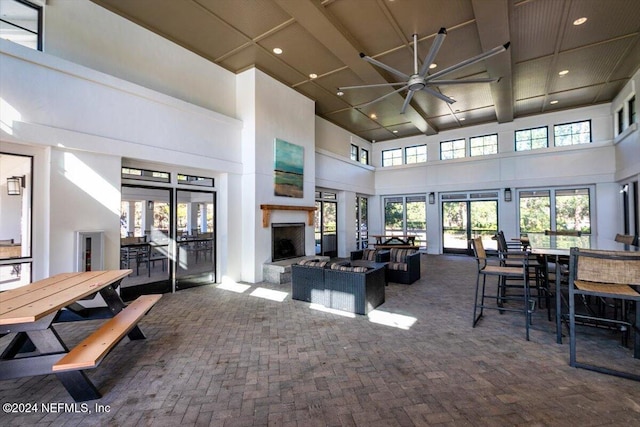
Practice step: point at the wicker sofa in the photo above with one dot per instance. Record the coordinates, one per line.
(338, 285)
(404, 266)
(307, 281)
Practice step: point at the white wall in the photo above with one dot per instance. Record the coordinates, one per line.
(87, 34)
(272, 111)
(99, 119)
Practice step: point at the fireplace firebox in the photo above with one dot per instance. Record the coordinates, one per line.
(287, 240)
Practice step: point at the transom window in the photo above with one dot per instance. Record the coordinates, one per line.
(532, 139)
(620, 120)
(392, 157)
(416, 154)
(454, 149)
(145, 175)
(364, 156)
(483, 145)
(354, 153)
(572, 133)
(21, 22)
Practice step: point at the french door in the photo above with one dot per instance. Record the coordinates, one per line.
(167, 239)
(326, 225)
(463, 220)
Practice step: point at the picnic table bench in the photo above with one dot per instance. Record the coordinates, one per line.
(30, 311)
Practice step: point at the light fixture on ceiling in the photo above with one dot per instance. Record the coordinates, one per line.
(555, 101)
(395, 131)
(313, 76)
(420, 80)
(340, 93)
(432, 66)
(580, 21)
(14, 184)
(373, 116)
(462, 119)
(277, 50)
(563, 73)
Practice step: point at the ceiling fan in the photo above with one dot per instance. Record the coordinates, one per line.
(419, 80)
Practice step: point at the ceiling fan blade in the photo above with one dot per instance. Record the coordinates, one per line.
(382, 97)
(407, 100)
(384, 66)
(374, 85)
(437, 94)
(462, 81)
(496, 50)
(435, 47)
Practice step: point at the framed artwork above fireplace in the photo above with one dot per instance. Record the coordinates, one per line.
(288, 169)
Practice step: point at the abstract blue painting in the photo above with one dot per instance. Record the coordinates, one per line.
(289, 169)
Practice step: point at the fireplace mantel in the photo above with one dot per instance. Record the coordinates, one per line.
(266, 212)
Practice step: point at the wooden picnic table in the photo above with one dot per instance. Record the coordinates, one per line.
(395, 241)
(29, 312)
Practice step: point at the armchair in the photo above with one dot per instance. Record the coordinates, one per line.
(404, 266)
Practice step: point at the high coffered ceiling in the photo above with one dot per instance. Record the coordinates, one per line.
(325, 38)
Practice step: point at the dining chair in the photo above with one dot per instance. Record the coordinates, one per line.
(511, 256)
(485, 268)
(604, 274)
(627, 239)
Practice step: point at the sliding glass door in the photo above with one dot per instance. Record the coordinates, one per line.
(463, 220)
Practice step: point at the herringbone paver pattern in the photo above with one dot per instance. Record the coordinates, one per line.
(225, 357)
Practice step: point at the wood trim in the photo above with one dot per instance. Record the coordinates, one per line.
(266, 212)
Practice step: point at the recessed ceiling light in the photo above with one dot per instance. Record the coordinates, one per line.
(555, 101)
(462, 119)
(580, 21)
(340, 93)
(313, 76)
(395, 131)
(277, 50)
(373, 116)
(432, 66)
(563, 73)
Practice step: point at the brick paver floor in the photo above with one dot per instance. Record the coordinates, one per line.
(248, 355)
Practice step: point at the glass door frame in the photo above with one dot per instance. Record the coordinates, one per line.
(193, 280)
(320, 232)
(468, 198)
(166, 284)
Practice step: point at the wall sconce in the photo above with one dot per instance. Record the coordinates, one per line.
(432, 198)
(14, 184)
(624, 189)
(507, 194)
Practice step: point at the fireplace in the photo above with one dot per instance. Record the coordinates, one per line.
(287, 240)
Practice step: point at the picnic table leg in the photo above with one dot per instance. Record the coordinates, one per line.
(78, 386)
(48, 342)
(19, 344)
(116, 305)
